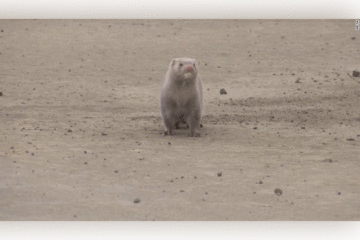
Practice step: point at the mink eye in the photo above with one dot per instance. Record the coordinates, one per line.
(180, 64)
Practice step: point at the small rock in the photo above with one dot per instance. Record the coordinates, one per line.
(260, 182)
(353, 38)
(356, 74)
(223, 91)
(136, 200)
(182, 191)
(328, 160)
(339, 193)
(1, 94)
(69, 130)
(350, 139)
(278, 191)
(103, 134)
(255, 128)
(298, 80)
(219, 174)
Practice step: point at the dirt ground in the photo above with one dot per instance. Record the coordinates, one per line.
(80, 125)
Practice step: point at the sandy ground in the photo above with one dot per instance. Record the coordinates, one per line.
(80, 126)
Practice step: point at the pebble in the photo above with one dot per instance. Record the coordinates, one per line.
(278, 191)
(223, 91)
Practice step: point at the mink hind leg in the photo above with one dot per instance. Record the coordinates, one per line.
(194, 124)
(169, 124)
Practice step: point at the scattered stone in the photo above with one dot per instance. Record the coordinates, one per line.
(85, 162)
(136, 200)
(255, 128)
(328, 160)
(85, 152)
(69, 130)
(339, 193)
(356, 74)
(278, 191)
(298, 80)
(260, 182)
(353, 38)
(116, 171)
(223, 91)
(103, 134)
(219, 174)
(1, 94)
(350, 139)
(182, 191)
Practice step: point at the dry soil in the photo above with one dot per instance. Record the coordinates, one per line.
(80, 125)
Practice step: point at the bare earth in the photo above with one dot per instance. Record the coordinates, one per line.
(80, 125)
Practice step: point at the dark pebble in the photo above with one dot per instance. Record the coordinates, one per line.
(136, 200)
(350, 139)
(278, 191)
(327, 160)
(69, 130)
(260, 182)
(339, 193)
(219, 174)
(356, 74)
(1, 94)
(223, 91)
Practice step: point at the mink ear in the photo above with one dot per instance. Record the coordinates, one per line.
(173, 62)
